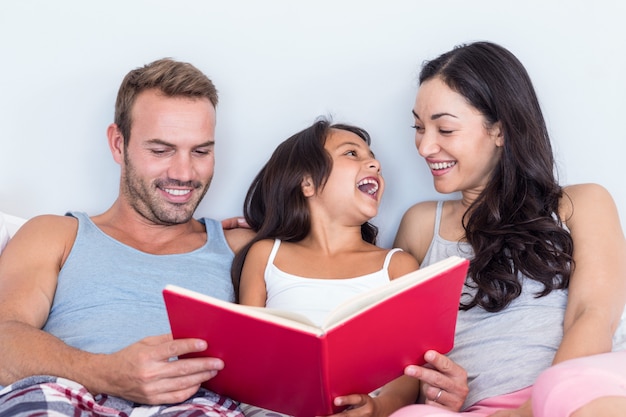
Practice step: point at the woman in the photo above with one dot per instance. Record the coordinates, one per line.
(547, 279)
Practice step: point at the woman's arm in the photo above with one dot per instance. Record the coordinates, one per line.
(597, 290)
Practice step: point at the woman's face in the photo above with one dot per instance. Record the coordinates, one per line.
(454, 139)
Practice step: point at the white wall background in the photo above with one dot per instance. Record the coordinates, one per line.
(280, 64)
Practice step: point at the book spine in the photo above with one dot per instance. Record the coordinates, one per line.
(325, 364)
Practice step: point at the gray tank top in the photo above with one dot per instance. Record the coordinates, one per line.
(506, 351)
(109, 294)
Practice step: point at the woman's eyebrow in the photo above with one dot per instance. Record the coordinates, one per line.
(435, 116)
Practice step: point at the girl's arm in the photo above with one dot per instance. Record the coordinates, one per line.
(597, 290)
(399, 392)
(394, 395)
(252, 283)
(401, 264)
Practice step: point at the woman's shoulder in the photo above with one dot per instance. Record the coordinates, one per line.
(421, 208)
(588, 207)
(586, 189)
(416, 229)
(580, 198)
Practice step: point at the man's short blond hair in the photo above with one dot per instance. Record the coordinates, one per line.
(170, 77)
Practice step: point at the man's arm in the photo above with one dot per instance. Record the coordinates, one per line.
(29, 267)
(142, 372)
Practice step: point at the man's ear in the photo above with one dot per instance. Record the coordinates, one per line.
(308, 189)
(116, 142)
(497, 133)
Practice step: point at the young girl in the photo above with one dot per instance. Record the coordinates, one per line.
(310, 205)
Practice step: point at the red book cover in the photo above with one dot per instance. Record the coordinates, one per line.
(276, 360)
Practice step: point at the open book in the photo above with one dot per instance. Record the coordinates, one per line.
(282, 362)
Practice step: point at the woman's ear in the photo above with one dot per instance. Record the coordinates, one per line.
(497, 134)
(308, 189)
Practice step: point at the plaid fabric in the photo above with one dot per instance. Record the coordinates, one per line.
(52, 397)
(253, 411)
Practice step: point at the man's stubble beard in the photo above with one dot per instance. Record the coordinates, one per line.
(144, 198)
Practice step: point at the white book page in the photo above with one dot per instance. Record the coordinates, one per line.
(362, 302)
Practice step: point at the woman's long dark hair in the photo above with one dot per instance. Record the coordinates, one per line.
(275, 206)
(514, 225)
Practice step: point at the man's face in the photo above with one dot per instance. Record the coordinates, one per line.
(169, 161)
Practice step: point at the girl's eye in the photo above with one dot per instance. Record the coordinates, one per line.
(445, 132)
(351, 153)
(418, 128)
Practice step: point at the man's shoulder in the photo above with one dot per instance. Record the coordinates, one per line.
(50, 222)
(43, 239)
(48, 228)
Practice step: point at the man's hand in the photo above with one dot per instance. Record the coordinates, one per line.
(144, 373)
(444, 382)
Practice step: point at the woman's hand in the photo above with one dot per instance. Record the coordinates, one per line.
(444, 383)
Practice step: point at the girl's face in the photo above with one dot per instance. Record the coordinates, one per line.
(454, 139)
(355, 185)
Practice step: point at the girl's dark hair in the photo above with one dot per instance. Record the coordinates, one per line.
(275, 206)
(514, 225)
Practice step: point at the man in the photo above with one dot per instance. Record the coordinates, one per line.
(80, 297)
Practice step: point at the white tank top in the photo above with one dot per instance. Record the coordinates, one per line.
(316, 297)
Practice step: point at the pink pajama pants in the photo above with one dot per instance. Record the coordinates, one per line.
(564, 388)
(558, 392)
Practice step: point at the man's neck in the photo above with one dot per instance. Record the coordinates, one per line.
(126, 225)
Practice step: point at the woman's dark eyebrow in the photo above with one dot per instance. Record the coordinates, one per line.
(438, 115)
(434, 116)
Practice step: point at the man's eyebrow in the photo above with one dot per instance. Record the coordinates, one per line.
(209, 142)
(434, 116)
(157, 141)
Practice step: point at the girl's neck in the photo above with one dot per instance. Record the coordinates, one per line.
(334, 240)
